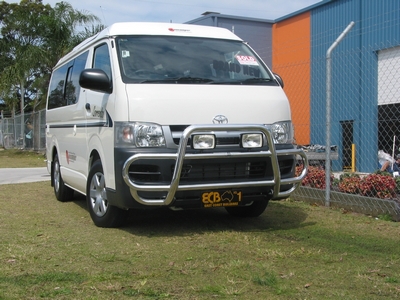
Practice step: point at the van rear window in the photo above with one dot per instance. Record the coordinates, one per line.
(170, 59)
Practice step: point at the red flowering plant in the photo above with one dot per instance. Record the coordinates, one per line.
(378, 186)
(349, 183)
(315, 178)
(299, 169)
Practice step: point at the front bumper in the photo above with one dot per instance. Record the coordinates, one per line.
(273, 183)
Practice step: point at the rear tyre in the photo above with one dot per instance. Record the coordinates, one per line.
(251, 211)
(102, 214)
(63, 193)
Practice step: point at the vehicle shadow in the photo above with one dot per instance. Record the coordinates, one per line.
(166, 222)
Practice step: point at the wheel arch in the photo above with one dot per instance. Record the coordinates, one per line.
(93, 157)
(100, 149)
(53, 153)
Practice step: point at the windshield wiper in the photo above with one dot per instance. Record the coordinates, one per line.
(188, 79)
(256, 79)
(178, 80)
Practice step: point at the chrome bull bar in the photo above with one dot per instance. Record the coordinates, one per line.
(181, 155)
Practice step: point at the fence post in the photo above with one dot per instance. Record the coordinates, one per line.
(1, 129)
(328, 113)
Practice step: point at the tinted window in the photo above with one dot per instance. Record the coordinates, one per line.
(73, 87)
(165, 58)
(64, 85)
(57, 84)
(102, 59)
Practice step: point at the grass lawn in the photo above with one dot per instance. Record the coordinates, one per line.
(15, 158)
(52, 250)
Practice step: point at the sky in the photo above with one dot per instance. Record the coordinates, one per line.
(181, 11)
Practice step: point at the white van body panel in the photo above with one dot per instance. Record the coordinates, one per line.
(70, 139)
(199, 104)
(100, 138)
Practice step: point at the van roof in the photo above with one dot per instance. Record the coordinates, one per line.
(168, 29)
(149, 28)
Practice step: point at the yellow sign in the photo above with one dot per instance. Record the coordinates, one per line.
(217, 199)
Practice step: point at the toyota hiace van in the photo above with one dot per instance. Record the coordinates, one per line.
(144, 115)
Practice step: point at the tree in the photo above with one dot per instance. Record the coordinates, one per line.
(20, 48)
(33, 38)
(62, 30)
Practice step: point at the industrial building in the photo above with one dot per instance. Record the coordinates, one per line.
(365, 85)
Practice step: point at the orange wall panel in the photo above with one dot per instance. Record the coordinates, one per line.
(291, 60)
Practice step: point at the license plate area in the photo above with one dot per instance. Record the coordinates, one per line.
(221, 198)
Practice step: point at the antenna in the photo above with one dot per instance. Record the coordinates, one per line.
(102, 12)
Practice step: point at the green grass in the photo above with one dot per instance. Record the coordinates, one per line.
(52, 250)
(15, 158)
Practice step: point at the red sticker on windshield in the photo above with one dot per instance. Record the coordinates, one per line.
(246, 60)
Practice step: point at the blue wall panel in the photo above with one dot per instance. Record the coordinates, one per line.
(354, 70)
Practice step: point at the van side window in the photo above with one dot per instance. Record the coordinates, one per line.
(73, 88)
(56, 94)
(102, 59)
(64, 85)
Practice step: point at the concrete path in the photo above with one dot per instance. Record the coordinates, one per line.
(21, 175)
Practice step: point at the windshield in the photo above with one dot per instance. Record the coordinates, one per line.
(169, 59)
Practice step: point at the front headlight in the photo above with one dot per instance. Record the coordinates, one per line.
(281, 132)
(251, 140)
(203, 141)
(139, 135)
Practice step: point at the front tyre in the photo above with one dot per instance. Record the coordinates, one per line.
(251, 211)
(63, 193)
(102, 214)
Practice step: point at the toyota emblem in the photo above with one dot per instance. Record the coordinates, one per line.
(220, 119)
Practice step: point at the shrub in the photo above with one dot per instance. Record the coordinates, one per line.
(378, 185)
(299, 169)
(350, 184)
(315, 178)
(397, 179)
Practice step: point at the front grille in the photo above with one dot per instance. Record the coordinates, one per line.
(144, 173)
(285, 166)
(212, 170)
(228, 141)
(209, 171)
(218, 172)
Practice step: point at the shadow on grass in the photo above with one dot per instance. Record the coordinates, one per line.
(166, 222)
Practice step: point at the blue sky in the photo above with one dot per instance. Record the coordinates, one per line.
(180, 11)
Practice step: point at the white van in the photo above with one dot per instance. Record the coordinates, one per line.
(144, 115)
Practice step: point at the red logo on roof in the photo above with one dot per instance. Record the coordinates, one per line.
(178, 29)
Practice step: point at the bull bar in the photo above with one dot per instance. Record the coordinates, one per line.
(181, 155)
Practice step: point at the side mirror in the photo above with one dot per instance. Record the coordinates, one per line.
(279, 79)
(95, 79)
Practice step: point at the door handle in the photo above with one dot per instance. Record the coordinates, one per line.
(87, 106)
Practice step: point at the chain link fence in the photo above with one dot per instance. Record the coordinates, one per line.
(24, 132)
(364, 118)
